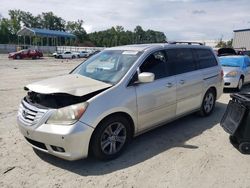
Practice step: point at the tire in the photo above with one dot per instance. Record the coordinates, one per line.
(110, 138)
(208, 103)
(244, 147)
(60, 57)
(240, 84)
(73, 57)
(18, 57)
(233, 141)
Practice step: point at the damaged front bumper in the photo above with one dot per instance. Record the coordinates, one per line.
(70, 142)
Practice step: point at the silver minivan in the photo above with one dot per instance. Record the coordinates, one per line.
(117, 94)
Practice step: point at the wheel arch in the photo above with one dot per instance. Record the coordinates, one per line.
(242, 76)
(124, 114)
(213, 88)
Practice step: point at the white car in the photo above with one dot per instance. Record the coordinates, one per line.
(236, 70)
(84, 54)
(66, 55)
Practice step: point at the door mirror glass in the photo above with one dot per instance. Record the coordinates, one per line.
(146, 77)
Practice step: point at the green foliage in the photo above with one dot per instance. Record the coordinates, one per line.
(224, 44)
(50, 21)
(114, 36)
(117, 36)
(5, 31)
(76, 27)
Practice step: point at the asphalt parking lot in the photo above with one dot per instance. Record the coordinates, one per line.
(190, 152)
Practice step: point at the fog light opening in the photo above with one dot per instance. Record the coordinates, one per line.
(58, 149)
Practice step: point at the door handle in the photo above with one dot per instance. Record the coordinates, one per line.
(169, 85)
(182, 82)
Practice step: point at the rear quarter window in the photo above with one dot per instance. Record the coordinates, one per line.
(205, 58)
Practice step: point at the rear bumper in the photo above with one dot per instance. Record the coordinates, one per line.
(70, 142)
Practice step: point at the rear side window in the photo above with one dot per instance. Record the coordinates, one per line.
(205, 58)
(182, 60)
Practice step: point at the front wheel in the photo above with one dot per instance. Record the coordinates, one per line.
(240, 84)
(110, 138)
(208, 103)
(18, 57)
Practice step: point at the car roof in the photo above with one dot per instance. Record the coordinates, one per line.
(144, 47)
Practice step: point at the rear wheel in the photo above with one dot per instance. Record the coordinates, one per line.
(110, 138)
(208, 103)
(73, 57)
(244, 147)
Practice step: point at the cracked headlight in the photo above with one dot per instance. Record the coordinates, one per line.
(68, 115)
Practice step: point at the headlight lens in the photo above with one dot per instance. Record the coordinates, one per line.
(232, 74)
(68, 115)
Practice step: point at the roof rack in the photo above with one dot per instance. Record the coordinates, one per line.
(182, 42)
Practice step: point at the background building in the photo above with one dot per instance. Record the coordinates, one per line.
(242, 39)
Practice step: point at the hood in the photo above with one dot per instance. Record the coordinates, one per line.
(12, 53)
(230, 69)
(73, 84)
(226, 51)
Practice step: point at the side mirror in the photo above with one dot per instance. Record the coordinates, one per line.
(146, 77)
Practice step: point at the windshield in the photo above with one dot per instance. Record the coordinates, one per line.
(108, 66)
(232, 61)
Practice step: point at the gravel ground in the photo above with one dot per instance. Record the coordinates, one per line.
(190, 152)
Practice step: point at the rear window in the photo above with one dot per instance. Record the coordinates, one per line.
(205, 58)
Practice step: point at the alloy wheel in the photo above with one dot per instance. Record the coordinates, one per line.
(209, 102)
(240, 84)
(113, 138)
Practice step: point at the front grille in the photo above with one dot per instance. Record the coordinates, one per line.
(30, 115)
(37, 144)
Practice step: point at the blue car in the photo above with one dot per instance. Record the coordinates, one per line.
(236, 70)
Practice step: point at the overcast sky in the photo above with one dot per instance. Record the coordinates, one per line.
(178, 19)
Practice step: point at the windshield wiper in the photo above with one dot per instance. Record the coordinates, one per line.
(105, 81)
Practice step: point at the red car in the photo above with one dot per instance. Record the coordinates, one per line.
(22, 54)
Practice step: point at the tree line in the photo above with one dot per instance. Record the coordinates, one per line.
(48, 20)
(224, 44)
